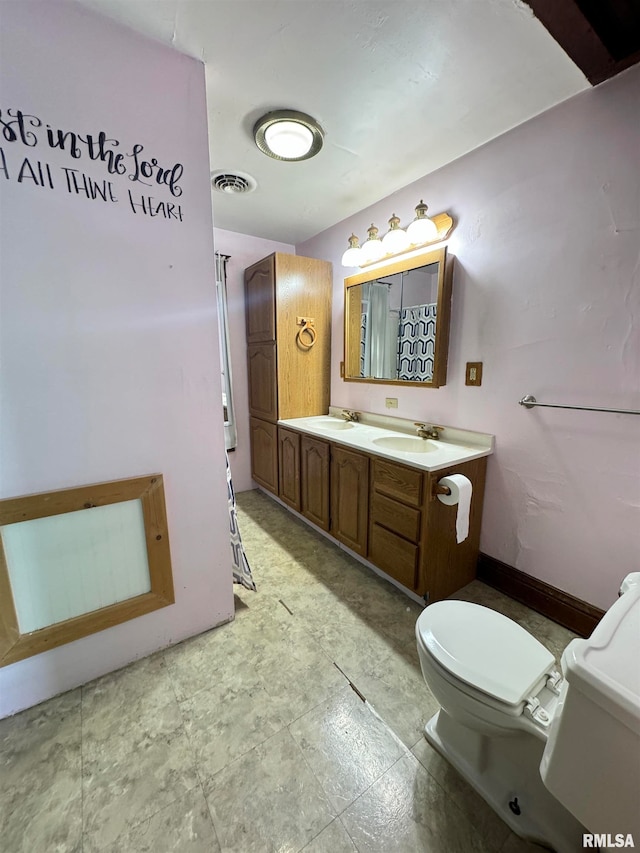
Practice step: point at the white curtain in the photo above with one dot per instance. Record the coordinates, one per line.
(225, 357)
(381, 333)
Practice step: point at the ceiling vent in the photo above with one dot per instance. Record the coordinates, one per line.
(233, 183)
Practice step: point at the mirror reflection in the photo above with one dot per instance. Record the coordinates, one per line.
(394, 322)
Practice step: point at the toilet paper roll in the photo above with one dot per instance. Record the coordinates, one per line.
(461, 495)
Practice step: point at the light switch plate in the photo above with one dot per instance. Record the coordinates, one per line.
(391, 402)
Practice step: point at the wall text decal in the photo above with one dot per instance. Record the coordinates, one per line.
(137, 166)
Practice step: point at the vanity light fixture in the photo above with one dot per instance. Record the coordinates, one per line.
(423, 231)
(288, 135)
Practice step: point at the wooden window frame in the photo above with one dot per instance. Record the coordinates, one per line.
(15, 646)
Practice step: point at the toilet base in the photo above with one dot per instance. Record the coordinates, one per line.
(505, 771)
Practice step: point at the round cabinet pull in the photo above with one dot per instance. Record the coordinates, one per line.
(311, 332)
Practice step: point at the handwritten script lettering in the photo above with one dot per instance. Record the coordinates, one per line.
(136, 164)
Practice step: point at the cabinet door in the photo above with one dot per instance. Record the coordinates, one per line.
(350, 498)
(260, 301)
(289, 467)
(315, 460)
(264, 453)
(263, 392)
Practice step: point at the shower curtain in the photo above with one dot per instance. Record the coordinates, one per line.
(379, 329)
(417, 342)
(240, 565)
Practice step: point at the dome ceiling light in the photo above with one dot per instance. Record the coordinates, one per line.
(288, 135)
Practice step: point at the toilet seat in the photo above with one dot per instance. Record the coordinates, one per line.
(485, 650)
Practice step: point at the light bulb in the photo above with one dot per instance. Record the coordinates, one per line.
(422, 229)
(288, 139)
(395, 240)
(372, 249)
(353, 255)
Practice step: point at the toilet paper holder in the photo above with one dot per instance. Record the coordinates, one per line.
(439, 490)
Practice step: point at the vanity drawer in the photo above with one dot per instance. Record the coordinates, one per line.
(396, 481)
(394, 555)
(395, 516)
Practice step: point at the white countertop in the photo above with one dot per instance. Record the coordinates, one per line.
(453, 447)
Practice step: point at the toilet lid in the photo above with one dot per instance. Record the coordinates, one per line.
(484, 649)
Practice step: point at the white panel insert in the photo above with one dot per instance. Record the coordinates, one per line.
(66, 565)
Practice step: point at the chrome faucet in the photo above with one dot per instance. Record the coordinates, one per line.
(349, 416)
(425, 431)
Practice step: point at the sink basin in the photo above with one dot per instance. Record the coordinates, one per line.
(406, 444)
(330, 424)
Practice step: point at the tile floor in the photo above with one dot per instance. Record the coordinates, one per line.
(250, 738)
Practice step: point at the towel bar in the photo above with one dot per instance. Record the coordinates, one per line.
(530, 401)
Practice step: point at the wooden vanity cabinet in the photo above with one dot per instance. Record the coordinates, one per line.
(384, 511)
(448, 565)
(288, 373)
(264, 453)
(395, 520)
(289, 467)
(315, 461)
(350, 498)
(412, 535)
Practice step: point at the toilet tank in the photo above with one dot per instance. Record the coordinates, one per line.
(591, 762)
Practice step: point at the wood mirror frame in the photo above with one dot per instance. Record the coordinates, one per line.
(353, 316)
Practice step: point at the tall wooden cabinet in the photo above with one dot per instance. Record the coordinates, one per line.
(288, 322)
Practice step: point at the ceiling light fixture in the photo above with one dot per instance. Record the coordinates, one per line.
(288, 135)
(423, 231)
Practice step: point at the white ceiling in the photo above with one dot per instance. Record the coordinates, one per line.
(400, 87)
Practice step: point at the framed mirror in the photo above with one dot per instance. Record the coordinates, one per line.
(397, 321)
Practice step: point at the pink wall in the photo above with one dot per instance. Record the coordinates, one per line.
(108, 326)
(546, 295)
(243, 251)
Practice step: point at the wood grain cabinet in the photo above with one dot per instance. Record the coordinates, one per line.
(289, 467)
(263, 387)
(315, 459)
(395, 520)
(260, 301)
(264, 453)
(288, 368)
(350, 498)
(384, 511)
(445, 564)
(412, 535)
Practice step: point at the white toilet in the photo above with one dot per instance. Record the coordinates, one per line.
(556, 755)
